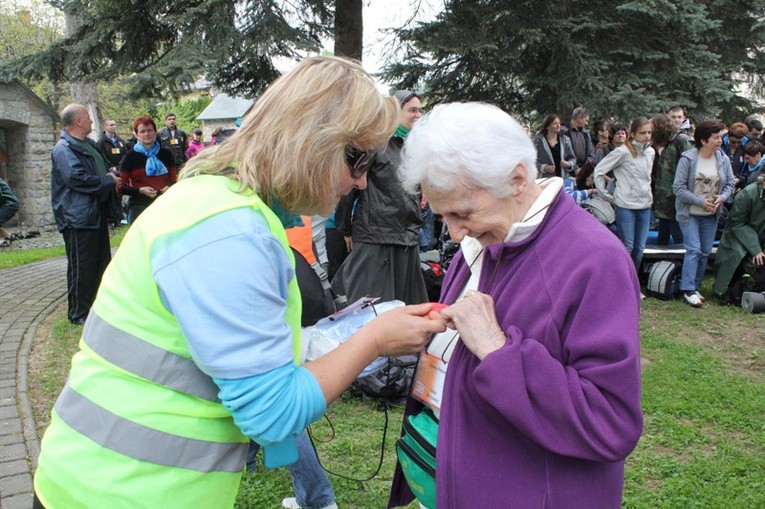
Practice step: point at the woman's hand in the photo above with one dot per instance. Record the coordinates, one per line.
(476, 321)
(348, 243)
(405, 330)
(550, 168)
(164, 189)
(759, 259)
(565, 164)
(148, 191)
(712, 203)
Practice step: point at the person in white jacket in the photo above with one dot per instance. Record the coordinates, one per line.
(631, 165)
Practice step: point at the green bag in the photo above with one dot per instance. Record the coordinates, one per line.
(417, 455)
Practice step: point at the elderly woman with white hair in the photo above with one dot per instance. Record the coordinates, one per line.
(540, 404)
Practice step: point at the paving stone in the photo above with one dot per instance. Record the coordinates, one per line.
(14, 467)
(21, 501)
(9, 412)
(12, 438)
(13, 452)
(15, 484)
(8, 426)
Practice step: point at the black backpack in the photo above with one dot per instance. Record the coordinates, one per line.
(390, 384)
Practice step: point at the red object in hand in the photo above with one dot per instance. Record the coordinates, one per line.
(437, 307)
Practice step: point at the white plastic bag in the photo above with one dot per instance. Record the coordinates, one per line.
(329, 332)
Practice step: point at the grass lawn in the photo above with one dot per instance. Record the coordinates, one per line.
(14, 258)
(703, 397)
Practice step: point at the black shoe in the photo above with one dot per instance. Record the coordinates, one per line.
(78, 321)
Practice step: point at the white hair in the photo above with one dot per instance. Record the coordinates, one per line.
(474, 143)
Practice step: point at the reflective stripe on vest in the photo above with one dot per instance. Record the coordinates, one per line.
(146, 360)
(143, 443)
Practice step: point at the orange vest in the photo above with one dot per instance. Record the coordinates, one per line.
(301, 238)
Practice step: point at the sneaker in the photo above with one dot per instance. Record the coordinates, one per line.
(291, 503)
(693, 299)
(701, 297)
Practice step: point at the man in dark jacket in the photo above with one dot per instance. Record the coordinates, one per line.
(385, 257)
(113, 148)
(80, 186)
(111, 145)
(174, 139)
(581, 141)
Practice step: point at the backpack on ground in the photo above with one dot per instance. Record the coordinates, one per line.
(745, 282)
(664, 280)
(390, 384)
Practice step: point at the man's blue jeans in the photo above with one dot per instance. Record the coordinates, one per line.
(699, 237)
(311, 485)
(632, 227)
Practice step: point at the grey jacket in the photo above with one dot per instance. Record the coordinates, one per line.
(633, 177)
(77, 190)
(545, 157)
(684, 183)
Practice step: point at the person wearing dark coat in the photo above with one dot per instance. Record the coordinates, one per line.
(385, 257)
(80, 187)
(9, 205)
(174, 139)
(114, 149)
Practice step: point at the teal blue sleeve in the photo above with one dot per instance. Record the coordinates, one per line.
(273, 406)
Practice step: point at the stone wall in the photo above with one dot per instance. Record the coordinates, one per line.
(30, 134)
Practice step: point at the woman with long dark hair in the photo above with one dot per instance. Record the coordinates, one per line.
(555, 155)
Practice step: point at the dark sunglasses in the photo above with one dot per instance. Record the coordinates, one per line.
(359, 161)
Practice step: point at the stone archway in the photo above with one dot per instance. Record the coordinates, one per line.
(27, 136)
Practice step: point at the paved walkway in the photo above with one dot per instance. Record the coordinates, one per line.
(27, 295)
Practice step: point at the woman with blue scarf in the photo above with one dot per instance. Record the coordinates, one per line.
(147, 170)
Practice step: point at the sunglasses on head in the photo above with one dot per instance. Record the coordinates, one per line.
(358, 161)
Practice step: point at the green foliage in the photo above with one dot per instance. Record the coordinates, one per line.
(161, 47)
(26, 28)
(618, 58)
(186, 112)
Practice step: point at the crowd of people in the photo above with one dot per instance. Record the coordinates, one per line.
(665, 172)
(192, 357)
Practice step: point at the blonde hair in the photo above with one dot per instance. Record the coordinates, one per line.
(292, 142)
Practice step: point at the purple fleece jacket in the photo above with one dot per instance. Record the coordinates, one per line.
(548, 420)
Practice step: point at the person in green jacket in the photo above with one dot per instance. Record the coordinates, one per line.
(9, 205)
(742, 245)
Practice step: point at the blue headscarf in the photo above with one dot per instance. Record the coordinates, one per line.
(154, 167)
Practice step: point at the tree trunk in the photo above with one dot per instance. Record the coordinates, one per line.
(84, 92)
(349, 29)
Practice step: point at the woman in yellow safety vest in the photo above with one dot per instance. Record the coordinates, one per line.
(192, 347)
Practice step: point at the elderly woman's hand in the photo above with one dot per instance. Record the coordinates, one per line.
(475, 320)
(406, 329)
